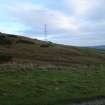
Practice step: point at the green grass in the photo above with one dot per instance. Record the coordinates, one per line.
(29, 85)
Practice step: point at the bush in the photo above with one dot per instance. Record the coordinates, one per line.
(47, 44)
(11, 41)
(8, 40)
(25, 41)
(4, 57)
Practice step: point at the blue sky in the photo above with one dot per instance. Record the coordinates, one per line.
(73, 22)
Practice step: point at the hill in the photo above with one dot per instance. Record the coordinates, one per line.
(34, 72)
(19, 49)
(101, 47)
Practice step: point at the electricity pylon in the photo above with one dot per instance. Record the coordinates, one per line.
(45, 32)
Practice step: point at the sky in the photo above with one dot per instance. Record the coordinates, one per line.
(69, 22)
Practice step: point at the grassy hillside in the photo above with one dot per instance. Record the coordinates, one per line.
(28, 85)
(26, 50)
(34, 72)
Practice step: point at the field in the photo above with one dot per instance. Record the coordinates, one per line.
(22, 84)
(34, 72)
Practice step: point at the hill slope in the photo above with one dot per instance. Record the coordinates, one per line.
(26, 50)
(101, 47)
(63, 75)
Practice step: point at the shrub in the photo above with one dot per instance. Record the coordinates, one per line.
(25, 41)
(47, 44)
(4, 57)
(8, 40)
(11, 41)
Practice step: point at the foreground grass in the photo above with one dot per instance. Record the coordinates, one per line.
(28, 85)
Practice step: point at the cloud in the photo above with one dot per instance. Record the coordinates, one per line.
(36, 16)
(89, 9)
(68, 21)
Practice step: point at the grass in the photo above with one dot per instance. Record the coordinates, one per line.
(30, 85)
(27, 50)
(56, 55)
(4, 57)
(33, 75)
